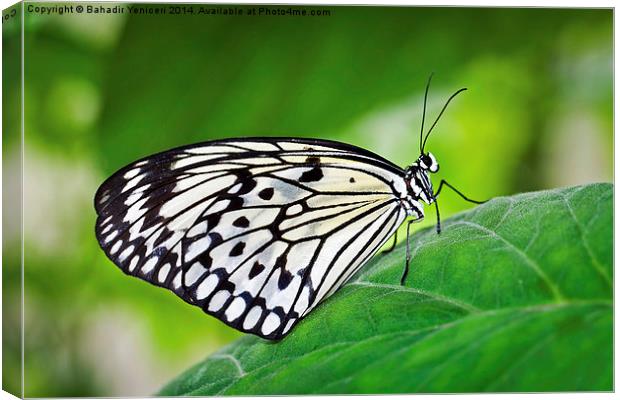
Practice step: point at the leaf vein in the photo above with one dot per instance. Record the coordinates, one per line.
(595, 262)
(557, 294)
(465, 306)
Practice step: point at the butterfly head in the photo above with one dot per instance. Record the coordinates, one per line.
(428, 162)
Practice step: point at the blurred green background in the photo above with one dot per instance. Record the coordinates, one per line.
(104, 90)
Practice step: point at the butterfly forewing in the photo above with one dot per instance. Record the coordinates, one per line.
(255, 232)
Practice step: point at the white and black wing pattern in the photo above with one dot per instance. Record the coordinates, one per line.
(254, 231)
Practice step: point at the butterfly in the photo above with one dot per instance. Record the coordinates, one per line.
(258, 231)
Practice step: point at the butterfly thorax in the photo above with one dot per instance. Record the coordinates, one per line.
(419, 188)
(419, 185)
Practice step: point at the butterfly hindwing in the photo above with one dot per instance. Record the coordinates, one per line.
(255, 232)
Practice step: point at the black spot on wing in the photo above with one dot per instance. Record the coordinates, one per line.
(285, 279)
(257, 268)
(216, 239)
(237, 250)
(266, 194)
(285, 276)
(212, 220)
(206, 261)
(241, 222)
(314, 175)
(235, 204)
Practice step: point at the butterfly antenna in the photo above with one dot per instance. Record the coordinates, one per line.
(439, 116)
(428, 84)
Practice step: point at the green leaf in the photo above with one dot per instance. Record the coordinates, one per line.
(514, 295)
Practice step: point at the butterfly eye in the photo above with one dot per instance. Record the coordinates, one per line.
(426, 160)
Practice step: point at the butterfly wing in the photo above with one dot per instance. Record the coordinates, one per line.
(254, 231)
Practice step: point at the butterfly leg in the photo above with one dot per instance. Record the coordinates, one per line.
(438, 218)
(408, 257)
(444, 182)
(393, 244)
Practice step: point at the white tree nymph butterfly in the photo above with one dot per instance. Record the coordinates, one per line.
(258, 231)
